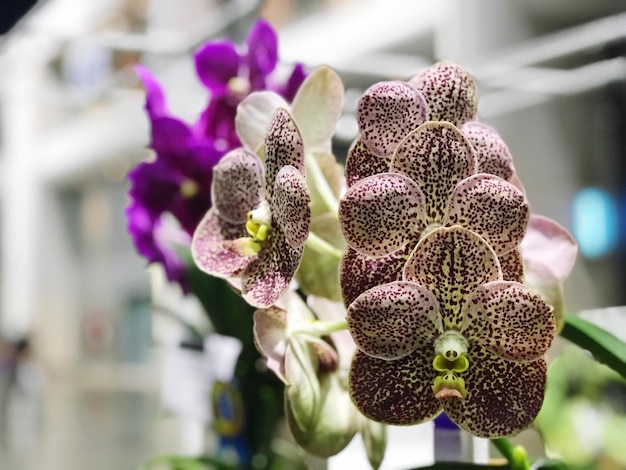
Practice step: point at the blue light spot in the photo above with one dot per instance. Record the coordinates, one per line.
(595, 222)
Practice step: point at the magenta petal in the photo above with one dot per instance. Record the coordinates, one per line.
(392, 320)
(507, 319)
(382, 213)
(290, 207)
(387, 112)
(216, 63)
(491, 207)
(170, 138)
(361, 163)
(237, 185)
(211, 246)
(395, 392)
(155, 98)
(492, 153)
(437, 157)
(262, 52)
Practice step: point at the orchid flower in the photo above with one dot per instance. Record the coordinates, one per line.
(260, 219)
(453, 336)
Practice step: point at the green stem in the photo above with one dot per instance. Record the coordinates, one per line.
(322, 246)
(321, 328)
(515, 455)
(314, 172)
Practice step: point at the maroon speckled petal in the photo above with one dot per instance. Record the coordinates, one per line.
(267, 277)
(361, 163)
(211, 246)
(491, 207)
(283, 146)
(512, 266)
(503, 397)
(437, 157)
(290, 208)
(381, 213)
(492, 153)
(395, 392)
(393, 320)
(387, 112)
(270, 337)
(360, 272)
(237, 186)
(507, 319)
(450, 92)
(452, 263)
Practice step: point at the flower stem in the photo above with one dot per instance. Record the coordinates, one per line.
(515, 455)
(321, 246)
(321, 328)
(321, 184)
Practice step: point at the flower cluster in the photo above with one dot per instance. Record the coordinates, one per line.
(178, 181)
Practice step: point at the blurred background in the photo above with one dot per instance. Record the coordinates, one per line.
(81, 360)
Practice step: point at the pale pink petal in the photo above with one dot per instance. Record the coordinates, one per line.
(290, 207)
(452, 263)
(283, 146)
(237, 186)
(450, 92)
(270, 338)
(492, 153)
(395, 392)
(387, 112)
(361, 163)
(212, 246)
(491, 207)
(381, 213)
(392, 320)
(437, 157)
(507, 319)
(254, 115)
(503, 397)
(512, 266)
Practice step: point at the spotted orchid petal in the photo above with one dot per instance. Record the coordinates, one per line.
(450, 92)
(512, 266)
(497, 316)
(254, 116)
(316, 107)
(290, 206)
(381, 213)
(361, 163)
(213, 246)
(268, 275)
(502, 405)
(387, 112)
(270, 337)
(283, 146)
(392, 320)
(492, 153)
(359, 272)
(238, 185)
(452, 263)
(395, 392)
(491, 207)
(437, 157)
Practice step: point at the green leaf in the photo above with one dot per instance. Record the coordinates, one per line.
(179, 462)
(605, 347)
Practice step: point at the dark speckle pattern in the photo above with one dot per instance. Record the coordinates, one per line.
(512, 266)
(492, 153)
(388, 111)
(392, 320)
(361, 163)
(290, 208)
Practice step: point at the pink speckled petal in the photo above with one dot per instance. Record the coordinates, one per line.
(503, 397)
(387, 112)
(270, 337)
(392, 320)
(254, 115)
(237, 186)
(512, 266)
(507, 319)
(268, 276)
(450, 92)
(491, 207)
(492, 153)
(283, 146)
(548, 250)
(212, 249)
(381, 213)
(395, 392)
(290, 207)
(452, 263)
(437, 157)
(361, 163)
